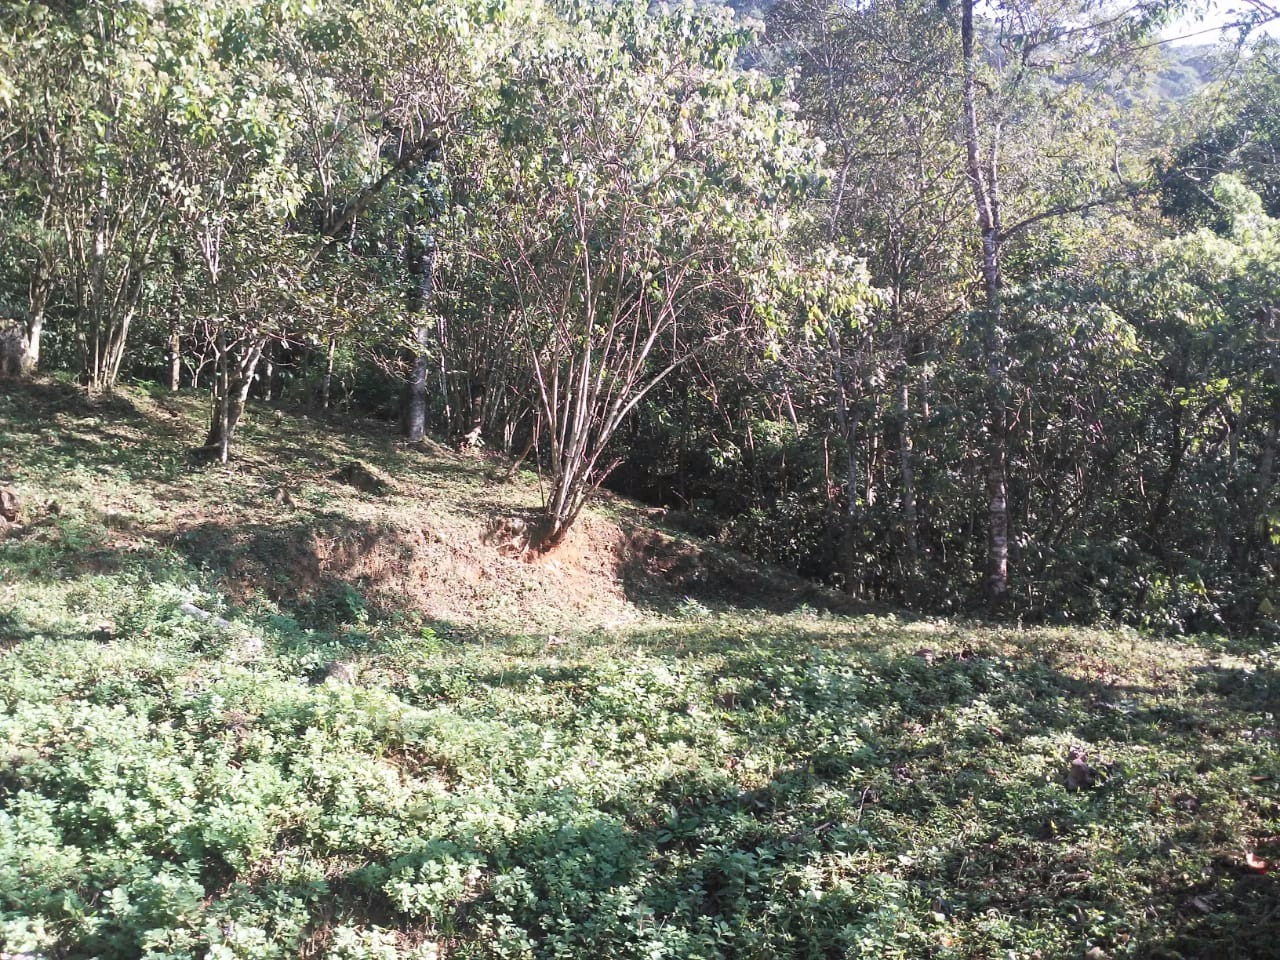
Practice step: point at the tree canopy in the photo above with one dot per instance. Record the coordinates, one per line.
(954, 305)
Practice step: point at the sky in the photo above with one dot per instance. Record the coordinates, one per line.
(1205, 27)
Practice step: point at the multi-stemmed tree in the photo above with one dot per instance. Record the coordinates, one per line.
(650, 181)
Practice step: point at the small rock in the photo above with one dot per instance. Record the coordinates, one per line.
(10, 505)
(341, 671)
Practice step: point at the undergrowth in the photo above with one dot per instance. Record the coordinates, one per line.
(320, 775)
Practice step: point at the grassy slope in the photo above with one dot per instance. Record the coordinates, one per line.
(554, 760)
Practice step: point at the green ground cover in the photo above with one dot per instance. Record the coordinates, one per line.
(322, 775)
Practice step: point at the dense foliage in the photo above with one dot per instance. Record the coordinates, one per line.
(938, 303)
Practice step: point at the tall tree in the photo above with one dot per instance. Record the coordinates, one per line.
(650, 179)
(1010, 65)
(876, 82)
(86, 125)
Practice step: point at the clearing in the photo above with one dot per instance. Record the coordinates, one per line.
(311, 706)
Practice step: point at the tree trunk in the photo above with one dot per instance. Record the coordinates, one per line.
(982, 174)
(421, 258)
(1177, 449)
(231, 392)
(112, 310)
(475, 423)
(1258, 532)
(268, 376)
(228, 408)
(37, 301)
(1266, 480)
(907, 466)
(326, 384)
(97, 286)
(850, 424)
(175, 357)
(118, 337)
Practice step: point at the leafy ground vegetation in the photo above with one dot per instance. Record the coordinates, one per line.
(376, 736)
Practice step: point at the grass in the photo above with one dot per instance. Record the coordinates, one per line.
(332, 773)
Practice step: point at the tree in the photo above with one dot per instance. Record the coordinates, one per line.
(649, 179)
(1242, 137)
(85, 118)
(288, 158)
(1213, 297)
(1005, 65)
(876, 83)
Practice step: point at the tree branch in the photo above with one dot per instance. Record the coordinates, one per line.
(416, 153)
(1052, 212)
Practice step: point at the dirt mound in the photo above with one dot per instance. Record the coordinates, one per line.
(463, 568)
(443, 566)
(354, 524)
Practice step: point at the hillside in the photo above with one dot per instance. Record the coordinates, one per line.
(311, 704)
(314, 520)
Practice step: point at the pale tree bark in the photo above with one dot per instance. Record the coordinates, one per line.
(173, 345)
(174, 356)
(421, 261)
(266, 382)
(326, 385)
(37, 303)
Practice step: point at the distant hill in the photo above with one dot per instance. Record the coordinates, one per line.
(1185, 72)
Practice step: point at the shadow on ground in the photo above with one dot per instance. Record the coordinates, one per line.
(669, 573)
(900, 825)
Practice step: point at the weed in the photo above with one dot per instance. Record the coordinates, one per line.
(715, 783)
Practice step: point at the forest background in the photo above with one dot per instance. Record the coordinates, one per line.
(950, 305)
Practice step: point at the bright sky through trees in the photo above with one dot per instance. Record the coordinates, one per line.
(1207, 23)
